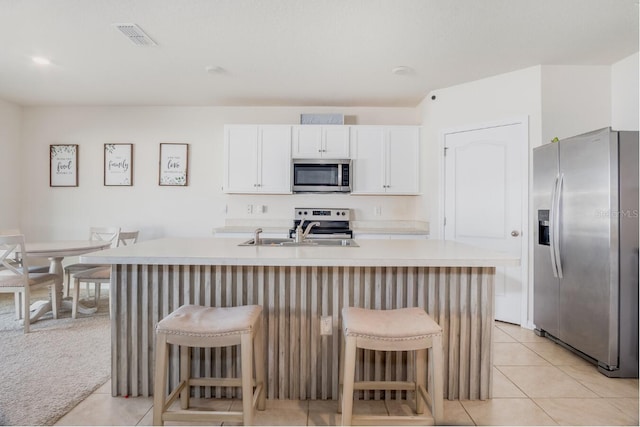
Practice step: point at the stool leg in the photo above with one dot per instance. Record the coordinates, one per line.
(258, 360)
(160, 377)
(246, 365)
(185, 375)
(421, 378)
(341, 375)
(349, 378)
(437, 392)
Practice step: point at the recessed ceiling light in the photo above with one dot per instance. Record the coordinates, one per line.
(214, 69)
(40, 60)
(402, 70)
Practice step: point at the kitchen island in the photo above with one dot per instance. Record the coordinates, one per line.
(301, 289)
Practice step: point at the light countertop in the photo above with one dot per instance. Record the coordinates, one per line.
(372, 253)
(281, 227)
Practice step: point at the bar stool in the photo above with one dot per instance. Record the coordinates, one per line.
(195, 326)
(405, 329)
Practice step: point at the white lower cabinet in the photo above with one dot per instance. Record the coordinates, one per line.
(385, 159)
(257, 159)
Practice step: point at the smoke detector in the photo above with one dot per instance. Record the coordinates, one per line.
(135, 34)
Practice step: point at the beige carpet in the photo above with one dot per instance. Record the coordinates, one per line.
(47, 372)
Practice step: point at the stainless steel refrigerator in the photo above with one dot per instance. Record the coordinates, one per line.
(585, 201)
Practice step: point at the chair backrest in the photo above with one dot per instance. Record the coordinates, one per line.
(15, 257)
(128, 238)
(10, 231)
(105, 234)
(10, 244)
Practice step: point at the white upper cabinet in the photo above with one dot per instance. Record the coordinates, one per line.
(386, 159)
(318, 141)
(257, 159)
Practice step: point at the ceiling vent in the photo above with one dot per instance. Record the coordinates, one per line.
(135, 34)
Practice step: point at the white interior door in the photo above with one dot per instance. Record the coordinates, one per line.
(484, 203)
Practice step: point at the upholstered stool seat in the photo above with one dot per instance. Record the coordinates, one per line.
(195, 326)
(405, 329)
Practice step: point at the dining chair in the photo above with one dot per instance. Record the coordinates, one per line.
(98, 275)
(106, 234)
(20, 281)
(16, 260)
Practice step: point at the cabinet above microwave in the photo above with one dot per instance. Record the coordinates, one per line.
(320, 142)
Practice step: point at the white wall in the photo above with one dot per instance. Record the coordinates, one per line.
(168, 211)
(624, 94)
(11, 169)
(575, 100)
(505, 96)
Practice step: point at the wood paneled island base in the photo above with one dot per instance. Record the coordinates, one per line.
(300, 362)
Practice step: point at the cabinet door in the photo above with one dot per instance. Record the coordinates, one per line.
(274, 168)
(317, 141)
(241, 159)
(307, 142)
(335, 142)
(368, 165)
(403, 155)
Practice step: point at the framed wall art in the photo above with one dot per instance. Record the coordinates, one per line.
(63, 165)
(174, 168)
(118, 164)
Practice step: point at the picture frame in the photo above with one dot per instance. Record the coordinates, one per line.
(118, 164)
(174, 164)
(63, 165)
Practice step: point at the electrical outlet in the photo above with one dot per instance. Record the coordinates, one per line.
(326, 325)
(249, 209)
(377, 211)
(260, 209)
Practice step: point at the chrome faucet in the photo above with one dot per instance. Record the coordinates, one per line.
(300, 234)
(256, 236)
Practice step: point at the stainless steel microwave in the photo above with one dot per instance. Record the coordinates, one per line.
(321, 176)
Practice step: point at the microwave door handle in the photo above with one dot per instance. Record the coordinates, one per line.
(552, 229)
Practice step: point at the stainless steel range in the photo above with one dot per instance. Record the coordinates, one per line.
(329, 223)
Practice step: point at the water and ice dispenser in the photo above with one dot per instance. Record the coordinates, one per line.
(543, 227)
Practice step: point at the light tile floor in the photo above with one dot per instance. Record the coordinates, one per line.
(535, 382)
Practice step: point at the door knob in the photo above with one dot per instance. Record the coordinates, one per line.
(515, 233)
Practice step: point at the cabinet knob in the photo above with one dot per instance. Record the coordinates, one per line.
(515, 233)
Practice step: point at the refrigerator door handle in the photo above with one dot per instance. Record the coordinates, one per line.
(556, 235)
(552, 229)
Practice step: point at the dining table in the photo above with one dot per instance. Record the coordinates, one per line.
(55, 252)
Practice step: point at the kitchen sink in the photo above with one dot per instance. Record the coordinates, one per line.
(266, 241)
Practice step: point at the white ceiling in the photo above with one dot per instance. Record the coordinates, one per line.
(293, 52)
